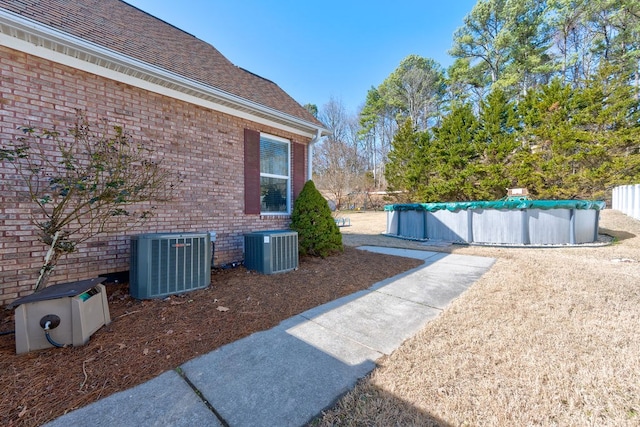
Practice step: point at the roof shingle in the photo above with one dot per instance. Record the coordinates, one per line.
(120, 27)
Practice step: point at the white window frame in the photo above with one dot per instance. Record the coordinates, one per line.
(287, 177)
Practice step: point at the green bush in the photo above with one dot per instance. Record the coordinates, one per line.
(318, 234)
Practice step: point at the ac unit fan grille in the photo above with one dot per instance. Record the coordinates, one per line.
(169, 264)
(284, 252)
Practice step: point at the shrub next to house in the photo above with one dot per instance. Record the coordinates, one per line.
(318, 234)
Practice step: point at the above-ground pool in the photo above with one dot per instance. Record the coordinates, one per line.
(509, 222)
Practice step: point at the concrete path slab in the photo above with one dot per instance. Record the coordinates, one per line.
(433, 285)
(436, 283)
(164, 401)
(274, 378)
(337, 346)
(287, 375)
(377, 320)
(467, 260)
(407, 253)
(431, 257)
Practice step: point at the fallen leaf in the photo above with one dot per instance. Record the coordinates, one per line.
(145, 351)
(169, 332)
(122, 345)
(221, 308)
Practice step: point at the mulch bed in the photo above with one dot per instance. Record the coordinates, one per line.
(146, 338)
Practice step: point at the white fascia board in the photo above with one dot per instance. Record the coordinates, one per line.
(33, 38)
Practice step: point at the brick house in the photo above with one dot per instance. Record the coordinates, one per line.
(207, 117)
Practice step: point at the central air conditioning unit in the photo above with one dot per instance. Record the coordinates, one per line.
(272, 251)
(169, 263)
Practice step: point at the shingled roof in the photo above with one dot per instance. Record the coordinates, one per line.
(129, 31)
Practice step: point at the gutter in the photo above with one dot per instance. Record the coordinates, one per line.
(318, 138)
(310, 155)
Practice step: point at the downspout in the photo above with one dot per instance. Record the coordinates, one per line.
(315, 139)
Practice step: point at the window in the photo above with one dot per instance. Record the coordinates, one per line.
(274, 175)
(269, 170)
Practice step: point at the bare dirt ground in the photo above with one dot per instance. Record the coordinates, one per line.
(546, 337)
(149, 337)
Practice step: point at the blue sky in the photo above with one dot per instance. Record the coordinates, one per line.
(316, 50)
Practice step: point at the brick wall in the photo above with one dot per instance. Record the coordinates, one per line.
(205, 147)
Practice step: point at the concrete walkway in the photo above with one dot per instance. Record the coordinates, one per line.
(287, 375)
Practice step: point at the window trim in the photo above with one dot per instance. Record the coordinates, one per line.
(289, 177)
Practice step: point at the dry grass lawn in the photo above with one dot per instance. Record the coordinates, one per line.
(546, 337)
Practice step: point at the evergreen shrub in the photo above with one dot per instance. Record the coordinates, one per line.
(318, 234)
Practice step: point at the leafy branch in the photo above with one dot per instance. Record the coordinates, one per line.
(86, 183)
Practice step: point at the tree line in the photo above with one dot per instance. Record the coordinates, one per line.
(542, 94)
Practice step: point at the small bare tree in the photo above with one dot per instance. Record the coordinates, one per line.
(85, 183)
(339, 162)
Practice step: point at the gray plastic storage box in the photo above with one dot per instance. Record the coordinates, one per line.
(81, 308)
